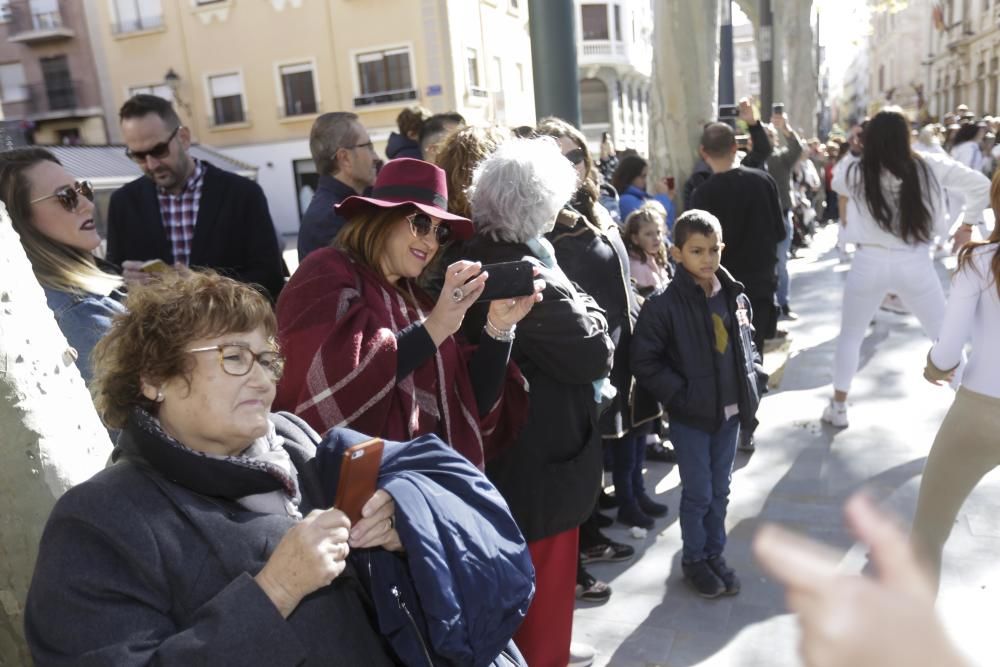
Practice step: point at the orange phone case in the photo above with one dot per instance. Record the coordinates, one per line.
(358, 477)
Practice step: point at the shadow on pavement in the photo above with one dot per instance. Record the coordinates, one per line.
(798, 501)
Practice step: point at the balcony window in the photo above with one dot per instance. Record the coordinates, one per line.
(59, 88)
(594, 103)
(298, 89)
(384, 76)
(13, 85)
(616, 12)
(137, 15)
(472, 68)
(45, 14)
(594, 20)
(226, 91)
(4, 11)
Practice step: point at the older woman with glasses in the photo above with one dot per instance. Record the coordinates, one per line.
(54, 215)
(211, 540)
(368, 349)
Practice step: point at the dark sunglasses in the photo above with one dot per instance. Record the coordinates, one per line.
(422, 225)
(157, 152)
(69, 195)
(575, 156)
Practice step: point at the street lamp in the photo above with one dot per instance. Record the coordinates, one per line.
(173, 81)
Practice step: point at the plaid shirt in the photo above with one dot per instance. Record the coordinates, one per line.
(180, 212)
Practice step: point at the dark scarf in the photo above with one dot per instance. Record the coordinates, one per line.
(262, 478)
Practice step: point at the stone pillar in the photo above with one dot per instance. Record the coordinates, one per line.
(50, 436)
(552, 25)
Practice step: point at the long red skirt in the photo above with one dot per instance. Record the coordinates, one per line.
(545, 635)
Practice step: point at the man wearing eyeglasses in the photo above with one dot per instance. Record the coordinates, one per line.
(345, 160)
(186, 212)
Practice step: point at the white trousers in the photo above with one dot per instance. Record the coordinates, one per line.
(875, 272)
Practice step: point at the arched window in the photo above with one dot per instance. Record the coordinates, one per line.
(594, 104)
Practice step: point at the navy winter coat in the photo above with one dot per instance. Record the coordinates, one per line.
(673, 354)
(466, 580)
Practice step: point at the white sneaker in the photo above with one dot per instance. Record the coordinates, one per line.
(835, 414)
(581, 655)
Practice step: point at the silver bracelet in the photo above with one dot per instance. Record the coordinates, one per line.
(496, 333)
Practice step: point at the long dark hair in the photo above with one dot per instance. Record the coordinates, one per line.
(887, 148)
(629, 168)
(965, 134)
(965, 254)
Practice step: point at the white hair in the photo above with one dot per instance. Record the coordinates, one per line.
(517, 191)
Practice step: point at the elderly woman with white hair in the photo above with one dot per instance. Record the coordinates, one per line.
(550, 475)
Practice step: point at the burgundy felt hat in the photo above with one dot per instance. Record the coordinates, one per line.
(409, 182)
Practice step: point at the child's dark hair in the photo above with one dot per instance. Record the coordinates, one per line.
(695, 221)
(633, 224)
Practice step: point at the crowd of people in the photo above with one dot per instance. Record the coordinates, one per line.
(639, 332)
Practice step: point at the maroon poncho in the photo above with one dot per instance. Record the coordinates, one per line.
(337, 325)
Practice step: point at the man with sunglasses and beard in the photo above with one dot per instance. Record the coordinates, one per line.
(186, 212)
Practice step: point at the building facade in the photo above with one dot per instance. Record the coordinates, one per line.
(746, 67)
(855, 95)
(615, 60)
(964, 65)
(49, 85)
(900, 49)
(251, 76)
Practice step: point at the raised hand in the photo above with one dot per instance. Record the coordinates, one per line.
(463, 283)
(850, 620)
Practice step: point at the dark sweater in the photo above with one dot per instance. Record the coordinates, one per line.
(320, 223)
(747, 205)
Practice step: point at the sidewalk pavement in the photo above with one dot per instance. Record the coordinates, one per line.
(800, 476)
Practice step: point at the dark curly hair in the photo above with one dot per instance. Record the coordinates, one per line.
(149, 342)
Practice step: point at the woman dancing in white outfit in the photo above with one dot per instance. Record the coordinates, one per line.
(968, 444)
(895, 207)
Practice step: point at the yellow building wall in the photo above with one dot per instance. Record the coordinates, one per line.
(252, 37)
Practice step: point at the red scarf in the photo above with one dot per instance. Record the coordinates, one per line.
(337, 325)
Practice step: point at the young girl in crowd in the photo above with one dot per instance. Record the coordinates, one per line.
(647, 251)
(53, 213)
(968, 445)
(894, 208)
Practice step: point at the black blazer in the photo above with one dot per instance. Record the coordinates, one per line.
(233, 233)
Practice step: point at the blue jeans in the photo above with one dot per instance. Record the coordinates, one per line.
(629, 453)
(705, 463)
(784, 247)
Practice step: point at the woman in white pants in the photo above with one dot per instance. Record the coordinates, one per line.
(895, 207)
(968, 444)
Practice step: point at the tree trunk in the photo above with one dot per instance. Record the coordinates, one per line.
(50, 436)
(795, 76)
(684, 84)
(799, 84)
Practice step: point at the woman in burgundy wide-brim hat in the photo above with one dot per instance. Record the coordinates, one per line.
(366, 348)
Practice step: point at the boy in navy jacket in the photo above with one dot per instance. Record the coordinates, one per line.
(693, 349)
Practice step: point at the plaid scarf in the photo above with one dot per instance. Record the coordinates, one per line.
(337, 325)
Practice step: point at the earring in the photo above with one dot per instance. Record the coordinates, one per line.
(159, 396)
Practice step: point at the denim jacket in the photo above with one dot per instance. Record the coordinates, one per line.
(83, 319)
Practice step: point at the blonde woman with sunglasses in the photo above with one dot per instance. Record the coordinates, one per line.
(53, 213)
(368, 349)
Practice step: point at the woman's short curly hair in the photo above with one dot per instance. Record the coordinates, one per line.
(459, 154)
(151, 340)
(517, 192)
